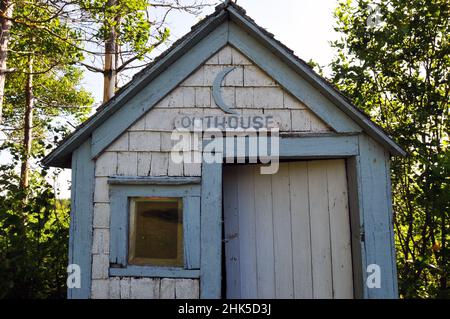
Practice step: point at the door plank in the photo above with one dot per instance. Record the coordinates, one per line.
(231, 219)
(301, 235)
(339, 230)
(282, 235)
(247, 242)
(320, 230)
(264, 235)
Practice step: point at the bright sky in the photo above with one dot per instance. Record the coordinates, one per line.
(305, 26)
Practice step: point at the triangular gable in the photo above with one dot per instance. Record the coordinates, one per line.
(248, 90)
(228, 25)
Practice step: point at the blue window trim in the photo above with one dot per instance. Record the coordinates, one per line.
(120, 193)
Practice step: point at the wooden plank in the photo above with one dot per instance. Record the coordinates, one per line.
(391, 225)
(191, 232)
(157, 190)
(318, 146)
(301, 230)
(281, 232)
(320, 230)
(211, 231)
(231, 219)
(156, 272)
(341, 252)
(264, 235)
(377, 223)
(118, 250)
(247, 242)
(357, 228)
(82, 211)
(150, 180)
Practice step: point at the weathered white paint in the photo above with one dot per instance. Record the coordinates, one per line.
(100, 264)
(287, 235)
(144, 150)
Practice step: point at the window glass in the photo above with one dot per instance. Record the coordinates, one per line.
(156, 231)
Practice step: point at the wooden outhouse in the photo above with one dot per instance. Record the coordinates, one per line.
(145, 225)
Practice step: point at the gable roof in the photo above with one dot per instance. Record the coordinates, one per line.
(61, 156)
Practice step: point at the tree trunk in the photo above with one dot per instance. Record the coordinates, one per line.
(109, 74)
(6, 9)
(27, 128)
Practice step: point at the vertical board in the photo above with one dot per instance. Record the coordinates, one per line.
(357, 227)
(320, 230)
(232, 252)
(301, 230)
(247, 238)
(281, 232)
(191, 231)
(376, 206)
(341, 252)
(82, 210)
(264, 235)
(211, 231)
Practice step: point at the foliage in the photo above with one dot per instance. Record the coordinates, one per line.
(393, 61)
(33, 238)
(33, 223)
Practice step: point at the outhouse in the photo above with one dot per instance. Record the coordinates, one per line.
(301, 208)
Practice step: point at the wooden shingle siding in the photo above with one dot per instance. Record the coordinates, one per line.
(145, 288)
(287, 235)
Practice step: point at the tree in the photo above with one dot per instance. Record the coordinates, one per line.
(42, 93)
(6, 9)
(128, 31)
(40, 58)
(393, 61)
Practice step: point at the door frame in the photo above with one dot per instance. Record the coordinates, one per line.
(362, 176)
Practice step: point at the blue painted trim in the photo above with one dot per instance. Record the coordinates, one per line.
(119, 225)
(391, 226)
(191, 232)
(155, 190)
(338, 146)
(150, 180)
(82, 210)
(211, 232)
(159, 272)
(119, 216)
(376, 209)
(357, 227)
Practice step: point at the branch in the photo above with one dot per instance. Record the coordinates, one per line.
(92, 68)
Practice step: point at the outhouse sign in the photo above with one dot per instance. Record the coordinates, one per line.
(229, 169)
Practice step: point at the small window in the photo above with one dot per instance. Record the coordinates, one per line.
(156, 231)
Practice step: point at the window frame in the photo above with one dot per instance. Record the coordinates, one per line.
(121, 190)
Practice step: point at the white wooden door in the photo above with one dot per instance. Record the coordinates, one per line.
(287, 235)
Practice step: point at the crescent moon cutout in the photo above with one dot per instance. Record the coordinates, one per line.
(217, 94)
